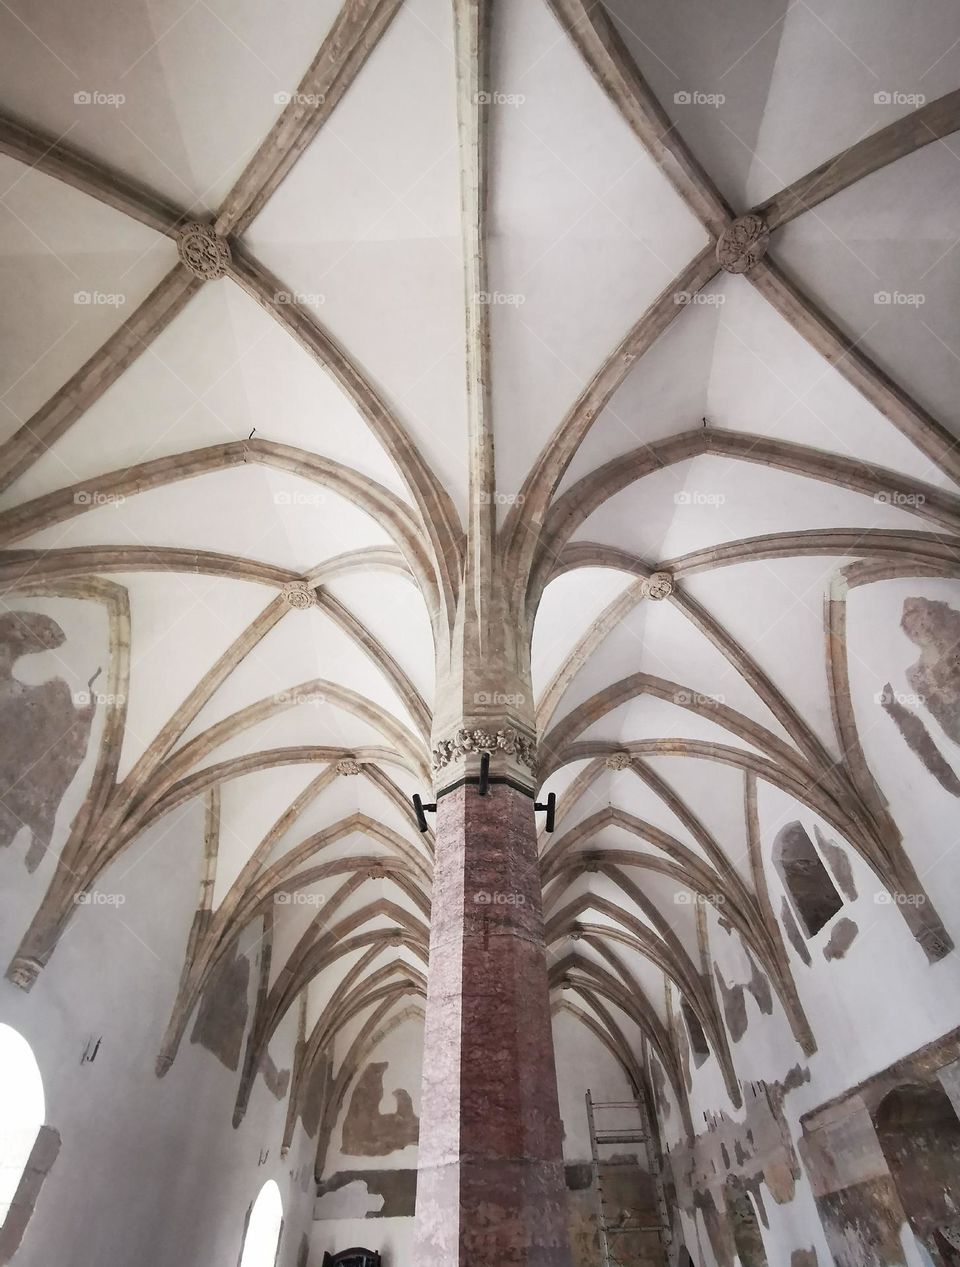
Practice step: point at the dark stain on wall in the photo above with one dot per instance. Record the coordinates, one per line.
(792, 929)
(841, 939)
(303, 1253)
(277, 1080)
(804, 1258)
(369, 1133)
(862, 1224)
(935, 628)
(734, 1006)
(920, 741)
(397, 1187)
(735, 1003)
(222, 1013)
(839, 863)
(659, 1080)
(630, 1199)
(43, 737)
(313, 1096)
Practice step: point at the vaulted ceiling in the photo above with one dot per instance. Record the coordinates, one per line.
(238, 466)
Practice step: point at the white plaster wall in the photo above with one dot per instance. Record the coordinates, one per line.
(150, 1171)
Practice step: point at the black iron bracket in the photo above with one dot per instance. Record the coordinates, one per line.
(550, 805)
(422, 810)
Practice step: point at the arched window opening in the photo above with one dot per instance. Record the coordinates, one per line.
(746, 1230)
(806, 879)
(919, 1134)
(262, 1240)
(22, 1112)
(698, 1039)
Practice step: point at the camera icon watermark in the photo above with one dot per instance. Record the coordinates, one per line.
(894, 98)
(499, 98)
(298, 497)
(701, 298)
(500, 699)
(305, 298)
(299, 98)
(899, 299)
(92, 497)
(93, 897)
(899, 899)
(298, 898)
(893, 497)
(99, 299)
(694, 98)
(94, 98)
(486, 898)
(696, 497)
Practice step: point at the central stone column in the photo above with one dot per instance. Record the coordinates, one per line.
(491, 1187)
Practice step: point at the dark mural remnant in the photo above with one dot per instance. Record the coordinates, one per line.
(43, 736)
(839, 864)
(805, 878)
(369, 1133)
(398, 1188)
(935, 678)
(222, 1013)
(919, 740)
(841, 939)
(935, 628)
(277, 1080)
(792, 929)
(735, 1003)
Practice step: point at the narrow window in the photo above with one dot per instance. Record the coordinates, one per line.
(22, 1112)
(806, 879)
(262, 1239)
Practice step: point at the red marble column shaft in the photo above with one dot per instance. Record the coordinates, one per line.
(491, 1188)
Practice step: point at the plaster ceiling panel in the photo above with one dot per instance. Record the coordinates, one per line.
(72, 270)
(584, 234)
(303, 646)
(881, 259)
(585, 592)
(301, 726)
(271, 516)
(222, 369)
(179, 625)
(382, 259)
(198, 82)
(627, 791)
(710, 499)
(248, 809)
(665, 391)
(710, 67)
(776, 614)
(647, 717)
(715, 794)
(392, 608)
(657, 638)
(767, 379)
(341, 798)
(844, 71)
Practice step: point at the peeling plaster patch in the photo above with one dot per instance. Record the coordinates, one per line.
(369, 1133)
(277, 1080)
(579, 1175)
(935, 628)
(684, 1045)
(804, 1258)
(744, 1154)
(839, 863)
(222, 1013)
(792, 929)
(919, 741)
(629, 1197)
(43, 737)
(385, 1194)
(353, 1200)
(841, 939)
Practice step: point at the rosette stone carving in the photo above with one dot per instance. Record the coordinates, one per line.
(743, 244)
(300, 595)
(203, 251)
(660, 585)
